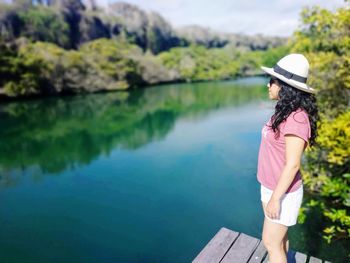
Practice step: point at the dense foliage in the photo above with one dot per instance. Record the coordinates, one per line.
(44, 24)
(199, 63)
(44, 68)
(112, 64)
(66, 48)
(324, 38)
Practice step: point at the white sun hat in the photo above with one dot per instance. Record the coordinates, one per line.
(292, 69)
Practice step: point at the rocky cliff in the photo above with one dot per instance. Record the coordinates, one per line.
(85, 21)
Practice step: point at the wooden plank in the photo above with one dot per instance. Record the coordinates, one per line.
(228, 246)
(300, 257)
(242, 249)
(315, 260)
(258, 254)
(217, 247)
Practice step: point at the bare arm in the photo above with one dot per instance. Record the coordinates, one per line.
(294, 151)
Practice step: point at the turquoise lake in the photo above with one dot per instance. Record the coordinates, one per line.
(148, 175)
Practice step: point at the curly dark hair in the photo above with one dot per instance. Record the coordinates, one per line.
(291, 99)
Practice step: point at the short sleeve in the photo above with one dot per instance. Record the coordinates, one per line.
(297, 124)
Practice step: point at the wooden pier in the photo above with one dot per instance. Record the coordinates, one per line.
(228, 246)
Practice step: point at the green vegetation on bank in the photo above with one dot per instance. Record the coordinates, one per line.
(325, 40)
(58, 50)
(112, 64)
(197, 63)
(44, 68)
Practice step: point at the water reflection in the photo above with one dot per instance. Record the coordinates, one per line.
(54, 134)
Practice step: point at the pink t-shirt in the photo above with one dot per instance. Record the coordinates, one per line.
(272, 159)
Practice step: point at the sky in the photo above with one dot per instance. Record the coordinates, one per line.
(272, 18)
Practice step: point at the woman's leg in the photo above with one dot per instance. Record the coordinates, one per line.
(274, 239)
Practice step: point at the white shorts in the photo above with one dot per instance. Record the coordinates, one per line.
(290, 205)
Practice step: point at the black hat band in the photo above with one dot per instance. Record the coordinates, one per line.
(288, 75)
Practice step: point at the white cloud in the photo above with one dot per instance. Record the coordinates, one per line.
(274, 17)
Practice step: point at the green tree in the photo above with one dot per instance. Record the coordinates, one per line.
(115, 59)
(324, 37)
(24, 71)
(41, 23)
(196, 63)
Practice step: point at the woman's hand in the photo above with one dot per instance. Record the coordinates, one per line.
(273, 208)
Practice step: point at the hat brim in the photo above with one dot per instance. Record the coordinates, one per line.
(293, 83)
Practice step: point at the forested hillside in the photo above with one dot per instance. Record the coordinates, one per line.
(59, 47)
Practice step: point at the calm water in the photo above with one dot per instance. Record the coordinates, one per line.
(145, 176)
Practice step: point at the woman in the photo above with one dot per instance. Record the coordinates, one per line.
(284, 138)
